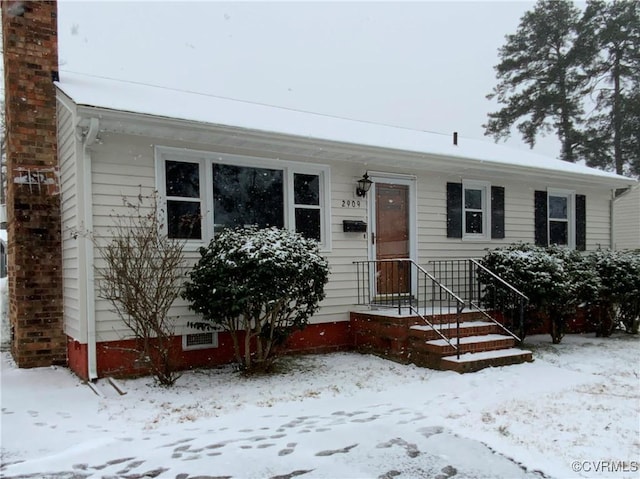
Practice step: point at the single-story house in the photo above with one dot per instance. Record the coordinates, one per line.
(217, 162)
(626, 219)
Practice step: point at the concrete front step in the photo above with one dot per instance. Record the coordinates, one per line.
(470, 362)
(468, 328)
(468, 344)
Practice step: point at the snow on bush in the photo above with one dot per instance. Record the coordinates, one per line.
(260, 285)
(619, 292)
(555, 280)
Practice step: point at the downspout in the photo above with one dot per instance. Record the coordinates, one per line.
(86, 198)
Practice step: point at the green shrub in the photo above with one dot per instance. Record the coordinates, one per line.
(260, 285)
(555, 280)
(619, 292)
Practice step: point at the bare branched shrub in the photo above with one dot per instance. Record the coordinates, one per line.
(141, 279)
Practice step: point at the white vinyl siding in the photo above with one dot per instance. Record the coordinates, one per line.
(627, 220)
(67, 147)
(519, 218)
(125, 165)
(121, 166)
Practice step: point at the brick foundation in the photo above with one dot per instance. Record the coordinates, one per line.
(119, 359)
(33, 203)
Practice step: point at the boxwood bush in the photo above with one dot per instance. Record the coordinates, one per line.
(555, 280)
(260, 285)
(558, 280)
(619, 292)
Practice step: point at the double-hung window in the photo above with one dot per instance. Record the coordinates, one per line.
(475, 210)
(306, 205)
(560, 218)
(207, 192)
(182, 187)
(560, 212)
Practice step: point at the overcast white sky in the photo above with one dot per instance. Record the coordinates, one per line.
(422, 65)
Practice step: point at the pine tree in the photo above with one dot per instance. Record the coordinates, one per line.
(631, 130)
(541, 77)
(610, 31)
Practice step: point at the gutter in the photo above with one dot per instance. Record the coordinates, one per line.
(88, 140)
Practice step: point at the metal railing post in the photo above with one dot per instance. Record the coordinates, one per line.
(399, 263)
(521, 332)
(458, 333)
(471, 283)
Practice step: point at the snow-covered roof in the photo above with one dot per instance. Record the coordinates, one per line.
(205, 108)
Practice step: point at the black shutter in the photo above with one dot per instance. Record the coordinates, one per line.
(454, 210)
(497, 212)
(540, 221)
(581, 222)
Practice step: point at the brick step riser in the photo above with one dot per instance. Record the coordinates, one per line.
(433, 361)
(473, 366)
(450, 333)
(447, 350)
(450, 318)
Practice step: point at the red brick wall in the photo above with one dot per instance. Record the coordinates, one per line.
(33, 204)
(118, 358)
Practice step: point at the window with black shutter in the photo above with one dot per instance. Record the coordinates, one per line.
(475, 210)
(497, 212)
(560, 219)
(581, 222)
(454, 210)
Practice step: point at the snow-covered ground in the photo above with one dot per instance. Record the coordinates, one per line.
(574, 412)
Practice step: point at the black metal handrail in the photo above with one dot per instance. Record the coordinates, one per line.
(500, 280)
(484, 292)
(403, 284)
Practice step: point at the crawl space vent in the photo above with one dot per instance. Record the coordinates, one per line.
(199, 341)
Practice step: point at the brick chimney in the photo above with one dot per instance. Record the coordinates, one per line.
(29, 31)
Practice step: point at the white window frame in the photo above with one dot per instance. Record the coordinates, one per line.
(206, 160)
(164, 198)
(570, 195)
(485, 188)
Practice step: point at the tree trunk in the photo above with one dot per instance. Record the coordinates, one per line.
(617, 114)
(565, 130)
(247, 344)
(236, 345)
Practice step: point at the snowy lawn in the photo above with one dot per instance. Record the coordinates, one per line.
(338, 416)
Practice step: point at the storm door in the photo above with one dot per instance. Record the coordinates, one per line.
(391, 238)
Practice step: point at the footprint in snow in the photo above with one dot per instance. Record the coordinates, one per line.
(331, 452)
